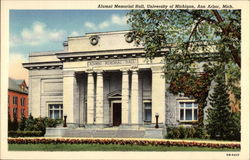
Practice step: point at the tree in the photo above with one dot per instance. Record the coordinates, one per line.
(29, 123)
(9, 122)
(15, 122)
(198, 43)
(222, 122)
(22, 123)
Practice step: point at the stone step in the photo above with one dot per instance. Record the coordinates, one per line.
(104, 133)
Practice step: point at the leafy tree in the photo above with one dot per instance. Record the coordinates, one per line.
(196, 43)
(222, 122)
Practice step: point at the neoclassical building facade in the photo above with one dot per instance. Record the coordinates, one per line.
(104, 80)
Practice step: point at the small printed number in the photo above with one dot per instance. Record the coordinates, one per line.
(232, 154)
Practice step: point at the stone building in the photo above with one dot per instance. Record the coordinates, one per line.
(103, 80)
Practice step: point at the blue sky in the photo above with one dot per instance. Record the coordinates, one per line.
(45, 30)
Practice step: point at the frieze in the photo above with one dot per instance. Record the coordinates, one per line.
(113, 62)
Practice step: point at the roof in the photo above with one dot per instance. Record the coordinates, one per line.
(15, 85)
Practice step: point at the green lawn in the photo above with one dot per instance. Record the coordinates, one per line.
(109, 147)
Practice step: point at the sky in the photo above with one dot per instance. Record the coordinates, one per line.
(45, 30)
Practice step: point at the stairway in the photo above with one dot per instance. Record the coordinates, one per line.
(105, 133)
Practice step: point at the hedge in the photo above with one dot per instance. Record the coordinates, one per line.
(120, 142)
(182, 132)
(25, 133)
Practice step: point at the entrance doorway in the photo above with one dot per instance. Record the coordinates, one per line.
(117, 114)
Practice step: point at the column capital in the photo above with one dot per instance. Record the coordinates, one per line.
(98, 71)
(134, 70)
(124, 70)
(89, 72)
(157, 69)
(68, 73)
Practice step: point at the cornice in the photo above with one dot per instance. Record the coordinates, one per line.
(43, 65)
(105, 54)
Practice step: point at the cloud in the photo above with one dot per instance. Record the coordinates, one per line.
(37, 34)
(112, 21)
(89, 25)
(74, 33)
(104, 24)
(119, 20)
(16, 69)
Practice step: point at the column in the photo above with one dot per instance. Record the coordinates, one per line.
(90, 98)
(99, 98)
(135, 97)
(69, 96)
(158, 94)
(125, 96)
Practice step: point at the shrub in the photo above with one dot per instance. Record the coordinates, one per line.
(170, 133)
(186, 132)
(33, 124)
(183, 132)
(200, 133)
(176, 133)
(29, 123)
(173, 133)
(22, 123)
(9, 123)
(39, 125)
(25, 133)
(190, 132)
(14, 123)
(48, 122)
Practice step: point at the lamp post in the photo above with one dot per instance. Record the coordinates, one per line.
(65, 119)
(156, 117)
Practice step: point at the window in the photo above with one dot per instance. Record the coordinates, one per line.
(188, 111)
(22, 112)
(56, 111)
(15, 99)
(22, 101)
(147, 111)
(14, 112)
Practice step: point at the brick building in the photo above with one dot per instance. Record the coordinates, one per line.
(17, 98)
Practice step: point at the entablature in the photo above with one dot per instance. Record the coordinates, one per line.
(106, 54)
(43, 65)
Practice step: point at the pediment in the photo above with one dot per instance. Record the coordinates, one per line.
(115, 94)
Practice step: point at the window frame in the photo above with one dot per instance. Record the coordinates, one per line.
(22, 101)
(144, 111)
(15, 100)
(193, 107)
(15, 111)
(22, 112)
(59, 109)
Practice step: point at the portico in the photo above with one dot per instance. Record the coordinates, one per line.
(113, 97)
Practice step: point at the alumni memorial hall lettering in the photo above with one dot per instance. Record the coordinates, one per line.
(118, 62)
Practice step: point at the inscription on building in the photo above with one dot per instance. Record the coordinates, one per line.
(113, 62)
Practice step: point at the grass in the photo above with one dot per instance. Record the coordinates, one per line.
(107, 147)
